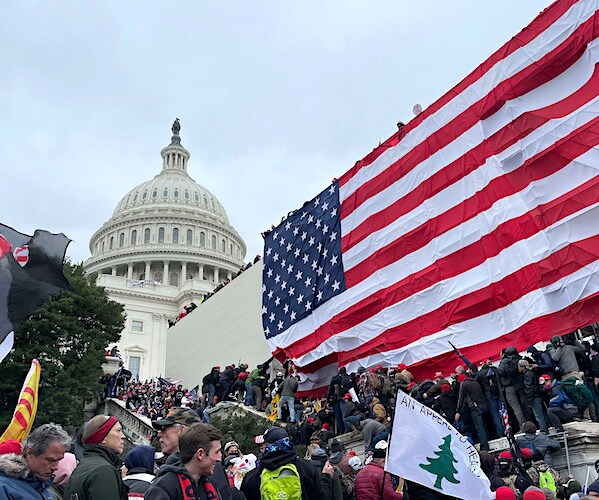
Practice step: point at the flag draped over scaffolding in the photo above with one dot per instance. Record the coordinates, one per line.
(476, 224)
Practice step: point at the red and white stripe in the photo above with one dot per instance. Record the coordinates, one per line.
(479, 222)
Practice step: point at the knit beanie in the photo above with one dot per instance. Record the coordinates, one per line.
(505, 493)
(11, 446)
(533, 494)
(66, 466)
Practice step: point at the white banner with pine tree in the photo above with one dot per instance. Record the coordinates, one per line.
(426, 449)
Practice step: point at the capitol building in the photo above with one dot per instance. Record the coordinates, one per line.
(168, 243)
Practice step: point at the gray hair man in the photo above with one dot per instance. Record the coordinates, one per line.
(30, 476)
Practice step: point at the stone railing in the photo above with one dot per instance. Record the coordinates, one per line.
(136, 427)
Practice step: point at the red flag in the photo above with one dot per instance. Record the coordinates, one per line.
(477, 223)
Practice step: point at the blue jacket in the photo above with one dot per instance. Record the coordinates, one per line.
(17, 482)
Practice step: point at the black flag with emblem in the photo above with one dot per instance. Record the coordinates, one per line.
(30, 270)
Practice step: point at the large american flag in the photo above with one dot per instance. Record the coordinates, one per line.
(477, 223)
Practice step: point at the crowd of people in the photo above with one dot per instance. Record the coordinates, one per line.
(193, 463)
(534, 394)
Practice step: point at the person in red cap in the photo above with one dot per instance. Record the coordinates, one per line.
(504, 493)
(98, 473)
(11, 446)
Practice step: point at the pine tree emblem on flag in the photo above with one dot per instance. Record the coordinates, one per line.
(426, 449)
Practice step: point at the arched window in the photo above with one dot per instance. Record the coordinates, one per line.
(160, 235)
(133, 238)
(173, 279)
(158, 276)
(103, 245)
(223, 246)
(147, 235)
(175, 235)
(202, 239)
(111, 242)
(231, 248)
(121, 240)
(214, 242)
(189, 237)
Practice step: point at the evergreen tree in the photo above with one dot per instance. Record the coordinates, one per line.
(68, 335)
(442, 466)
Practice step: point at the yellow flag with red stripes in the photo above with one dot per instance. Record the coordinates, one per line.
(24, 414)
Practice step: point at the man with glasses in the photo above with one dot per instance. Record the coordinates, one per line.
(176, 422)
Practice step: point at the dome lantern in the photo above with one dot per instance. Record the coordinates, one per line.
(175, 156)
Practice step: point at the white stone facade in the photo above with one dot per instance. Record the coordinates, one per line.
(167, 243)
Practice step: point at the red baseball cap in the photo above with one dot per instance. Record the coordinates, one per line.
(461, 377)
(526, 453)
(402, 366)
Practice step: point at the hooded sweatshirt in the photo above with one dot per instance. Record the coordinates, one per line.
(167, 486)
(17, 482)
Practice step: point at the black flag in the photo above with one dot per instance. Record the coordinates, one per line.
(30, 270)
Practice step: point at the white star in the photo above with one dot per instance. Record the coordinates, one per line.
(326, 278)
(270, 294)
(334, 212)
(304, 214)
(283, 285)
(286, 308)
(269, 272)
(268, 251)
(271, 317)
(306, 258)
(319, 271)
(287, 226)
(311, 241)
(308, 281)
(319, 296)
(318, 223)
(283, 263)
(298, 275)
(289, 247)
(332, 189)
(308, 305)
(293, 315)
(295, 231)
(314, 265)
(289, 269)
(304, 235)
(267, 331)
(325, 229)
(275, 236)
(333, 235)
(333, 260)
(263, 288)
(264, 311)
(296, 253)
(336, 285)
(275, 257)
(280, 325)
(317, 201)
(277, 278)
(310, 218)
(277, 301)
(325, 206)
(325, 253)
(282, 241)
(300, 298)
(291, 291)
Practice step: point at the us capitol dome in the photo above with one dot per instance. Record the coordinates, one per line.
(168, 242)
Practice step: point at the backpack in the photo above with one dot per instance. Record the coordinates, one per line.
(578, 392)
(281, 484)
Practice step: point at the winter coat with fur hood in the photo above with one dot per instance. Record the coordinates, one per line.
(17, 482)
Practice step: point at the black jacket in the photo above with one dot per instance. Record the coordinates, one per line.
(166, 486)
(471, 396)
(315, 485)
(508, 366)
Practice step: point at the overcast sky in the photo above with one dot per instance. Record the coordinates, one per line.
(275, 98)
